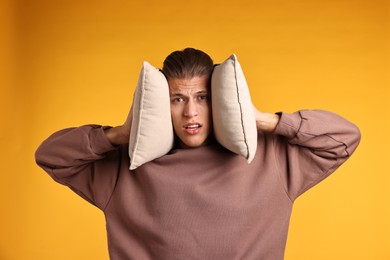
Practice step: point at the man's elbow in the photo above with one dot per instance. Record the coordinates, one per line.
(355, 137)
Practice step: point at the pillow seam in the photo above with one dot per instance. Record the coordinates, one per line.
(240, 106)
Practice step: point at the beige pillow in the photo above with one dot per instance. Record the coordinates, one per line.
(233, 115)
(151, 129)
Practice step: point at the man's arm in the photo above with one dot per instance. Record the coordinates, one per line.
(83, 159)
(310, 145)
(86, 159)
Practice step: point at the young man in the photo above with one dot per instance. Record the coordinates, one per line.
(200, 201)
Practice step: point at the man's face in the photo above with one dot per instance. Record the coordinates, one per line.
(191, 110)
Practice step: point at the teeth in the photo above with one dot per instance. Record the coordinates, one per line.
(192, 126)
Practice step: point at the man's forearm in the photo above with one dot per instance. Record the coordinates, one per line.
(116, 135)
(120, 134)
(266, 122)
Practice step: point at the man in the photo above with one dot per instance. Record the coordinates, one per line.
(200, 201)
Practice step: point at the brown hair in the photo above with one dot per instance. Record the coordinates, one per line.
(187, 63)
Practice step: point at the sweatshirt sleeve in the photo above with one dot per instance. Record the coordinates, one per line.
(310, 145)
(83, 159)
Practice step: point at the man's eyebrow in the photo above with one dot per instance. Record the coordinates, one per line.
(177, 94)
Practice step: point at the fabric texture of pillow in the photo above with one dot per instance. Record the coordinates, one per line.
(233, 115)
(151, 129)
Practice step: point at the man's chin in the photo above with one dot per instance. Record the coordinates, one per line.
(190, 144)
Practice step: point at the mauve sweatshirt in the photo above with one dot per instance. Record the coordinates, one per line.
(202, 203)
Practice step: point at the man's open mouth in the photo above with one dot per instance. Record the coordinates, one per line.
(192, 126)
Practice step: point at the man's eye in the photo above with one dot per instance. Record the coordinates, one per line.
(203, 97)
(179, 99)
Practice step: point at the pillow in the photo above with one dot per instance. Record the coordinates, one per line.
(151, 129)
(233, 115)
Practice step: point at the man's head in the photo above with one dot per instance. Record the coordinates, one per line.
(188, 73)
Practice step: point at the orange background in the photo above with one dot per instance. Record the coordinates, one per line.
(68, 63)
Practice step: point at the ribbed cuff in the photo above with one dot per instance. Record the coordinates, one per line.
(99, 141)
(288, 125)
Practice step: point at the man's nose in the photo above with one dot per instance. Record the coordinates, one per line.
(190, 109)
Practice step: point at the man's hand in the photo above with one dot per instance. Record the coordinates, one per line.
(120, 134)
(265, 122)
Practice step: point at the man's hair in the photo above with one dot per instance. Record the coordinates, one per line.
(187, 63)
